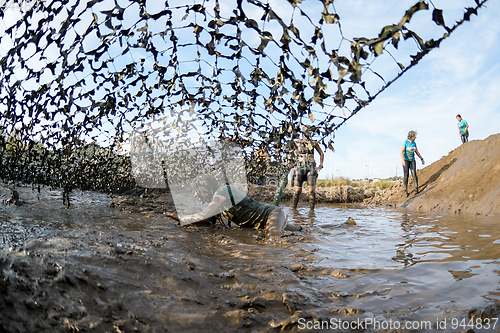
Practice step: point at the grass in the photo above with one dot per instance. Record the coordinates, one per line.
(339, 181)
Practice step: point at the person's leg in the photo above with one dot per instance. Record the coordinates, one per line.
(277, 222)
(296, 196)
(462, 137)
(413, 167)
(311, 182)
(299, 180)
(466, 136)
(406, 174)
(312, 197)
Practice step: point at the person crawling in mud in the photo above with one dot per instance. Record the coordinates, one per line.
(236, 206)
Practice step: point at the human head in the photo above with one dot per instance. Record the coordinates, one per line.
(204, 187)
(412, 135)
(459, 117)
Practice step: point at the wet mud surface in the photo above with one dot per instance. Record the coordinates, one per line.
(119, 265)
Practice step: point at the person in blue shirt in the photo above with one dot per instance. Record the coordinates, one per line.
(408, 151)
(463, 129)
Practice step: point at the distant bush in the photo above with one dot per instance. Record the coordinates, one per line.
(383, 184)
(340, 181)
(334, 182)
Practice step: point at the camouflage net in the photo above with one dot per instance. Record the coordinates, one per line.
(79, 76)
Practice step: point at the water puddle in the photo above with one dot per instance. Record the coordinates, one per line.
(426, 261)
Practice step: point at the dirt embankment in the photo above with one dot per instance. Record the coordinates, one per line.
(466, 180)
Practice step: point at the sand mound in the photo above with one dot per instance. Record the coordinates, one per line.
(466, 180)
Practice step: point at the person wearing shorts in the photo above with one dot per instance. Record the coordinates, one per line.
(408, 151)
(306, 170)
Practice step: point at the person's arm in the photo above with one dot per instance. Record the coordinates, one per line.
(321, 156)
(418, 154)
(212, 209)
(403, 147)
(466, 126)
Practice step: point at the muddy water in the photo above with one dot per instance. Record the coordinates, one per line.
(131, 268)
(406, 264)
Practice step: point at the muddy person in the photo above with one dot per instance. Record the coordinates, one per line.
(408, 151)
(261, 163)
(463, 129)
(244, 213)
(306, 169)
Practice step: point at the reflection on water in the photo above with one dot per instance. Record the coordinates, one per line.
(386, 238)
(390, 263)
(441, 263)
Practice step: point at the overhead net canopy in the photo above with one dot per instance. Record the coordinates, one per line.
(182, 160)
(78, 77)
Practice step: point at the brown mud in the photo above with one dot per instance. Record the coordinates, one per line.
(466, 180)
(129, 268)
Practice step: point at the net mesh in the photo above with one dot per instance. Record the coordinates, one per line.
(80, 78)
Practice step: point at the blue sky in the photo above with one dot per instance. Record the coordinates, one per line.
(461, 76)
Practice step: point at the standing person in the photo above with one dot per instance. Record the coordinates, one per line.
(260, 165)
(463, 129)
(306, 169)
(408, 151)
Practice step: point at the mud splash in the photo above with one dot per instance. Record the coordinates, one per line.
(129, 268)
